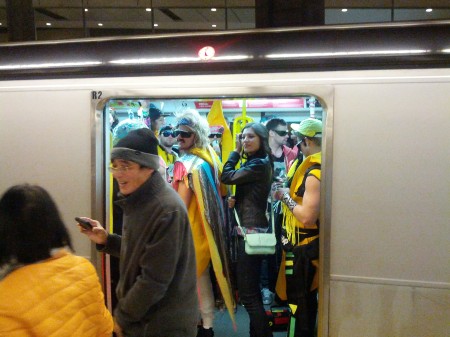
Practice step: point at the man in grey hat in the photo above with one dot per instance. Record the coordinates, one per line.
(157, 257)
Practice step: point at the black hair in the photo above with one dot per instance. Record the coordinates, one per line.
(263, 134)
(30, 225)
(154, 113)
(165, 128)
(272, 124)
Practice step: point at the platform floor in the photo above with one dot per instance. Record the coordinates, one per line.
(223, 326)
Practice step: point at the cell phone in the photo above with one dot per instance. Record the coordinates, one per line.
(84, 223)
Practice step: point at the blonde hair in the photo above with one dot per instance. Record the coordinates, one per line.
(198, 124)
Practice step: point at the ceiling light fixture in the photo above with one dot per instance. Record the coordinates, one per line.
(155, 25)
(185, 59)
(429, 10)
(213, 9)
(50, 65)
(148, 9)
(352, 53)
(86, 10)
(344, 10)
(214, 26)
(100, 24)
(48, 24)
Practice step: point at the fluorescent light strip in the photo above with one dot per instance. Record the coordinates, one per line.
(185, 59)
(232, 57)
(350, 53)
(155, 60)
(49, 65)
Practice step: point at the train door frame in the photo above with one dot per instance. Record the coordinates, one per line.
(101, 143)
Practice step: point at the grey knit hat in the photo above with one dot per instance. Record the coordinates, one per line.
(139, 146)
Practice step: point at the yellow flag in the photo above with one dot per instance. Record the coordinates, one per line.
(216, 117)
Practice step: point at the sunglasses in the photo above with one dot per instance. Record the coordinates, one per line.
(212, 135)
(182, 134)
(281, 133)
(168, 133)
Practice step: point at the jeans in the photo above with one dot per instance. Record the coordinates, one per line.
(248, 276)
(271, 263)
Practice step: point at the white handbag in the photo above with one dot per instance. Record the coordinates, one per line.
(259, 243)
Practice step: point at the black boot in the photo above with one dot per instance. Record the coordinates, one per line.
(202, 332)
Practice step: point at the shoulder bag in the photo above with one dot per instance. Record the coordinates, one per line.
(259, 243)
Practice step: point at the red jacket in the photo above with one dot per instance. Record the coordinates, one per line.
(289, 155)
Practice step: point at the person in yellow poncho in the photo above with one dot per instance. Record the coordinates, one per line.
(45, 290)
(196, 177)
(215, 138)
(166, 150)
(298, 278)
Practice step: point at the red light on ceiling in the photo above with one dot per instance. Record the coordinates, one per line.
(206, 53)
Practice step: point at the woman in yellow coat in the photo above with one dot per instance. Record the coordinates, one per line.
(44, 289)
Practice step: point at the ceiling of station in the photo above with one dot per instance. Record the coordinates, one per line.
(159, 16)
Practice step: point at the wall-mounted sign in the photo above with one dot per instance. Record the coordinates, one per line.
(256, 104)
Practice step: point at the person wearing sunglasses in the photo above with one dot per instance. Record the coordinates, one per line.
(282, 156)
(196, 177)
(166, 150)
(278, 136)
(298, 278)
(215, 138)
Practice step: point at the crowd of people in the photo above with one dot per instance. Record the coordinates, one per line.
(178, 249)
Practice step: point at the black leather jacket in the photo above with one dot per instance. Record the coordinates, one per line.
(253, 181)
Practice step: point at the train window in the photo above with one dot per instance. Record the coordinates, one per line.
(292, 110)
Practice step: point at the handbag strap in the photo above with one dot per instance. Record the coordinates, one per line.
(271, 217)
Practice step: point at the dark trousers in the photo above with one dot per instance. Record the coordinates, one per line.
(300, 273)
(295, 328)
(248, 276)
(271, 263)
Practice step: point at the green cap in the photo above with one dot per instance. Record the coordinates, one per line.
(309, 127)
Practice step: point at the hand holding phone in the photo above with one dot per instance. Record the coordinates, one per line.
(84, 223)
(239, 142)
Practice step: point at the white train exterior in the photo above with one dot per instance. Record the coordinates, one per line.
(385, 215)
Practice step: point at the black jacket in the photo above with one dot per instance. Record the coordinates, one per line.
(253, 181)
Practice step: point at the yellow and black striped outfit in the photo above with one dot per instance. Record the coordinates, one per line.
(302, 261)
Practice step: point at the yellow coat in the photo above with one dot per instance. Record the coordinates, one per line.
(58, 297)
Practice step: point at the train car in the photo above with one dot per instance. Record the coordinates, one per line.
(384, 96)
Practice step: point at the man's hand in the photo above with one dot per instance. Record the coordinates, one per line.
(238, 144)
(97, 234)
(117, 329)
(278, 194)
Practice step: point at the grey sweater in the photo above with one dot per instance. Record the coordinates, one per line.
(157, 287)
